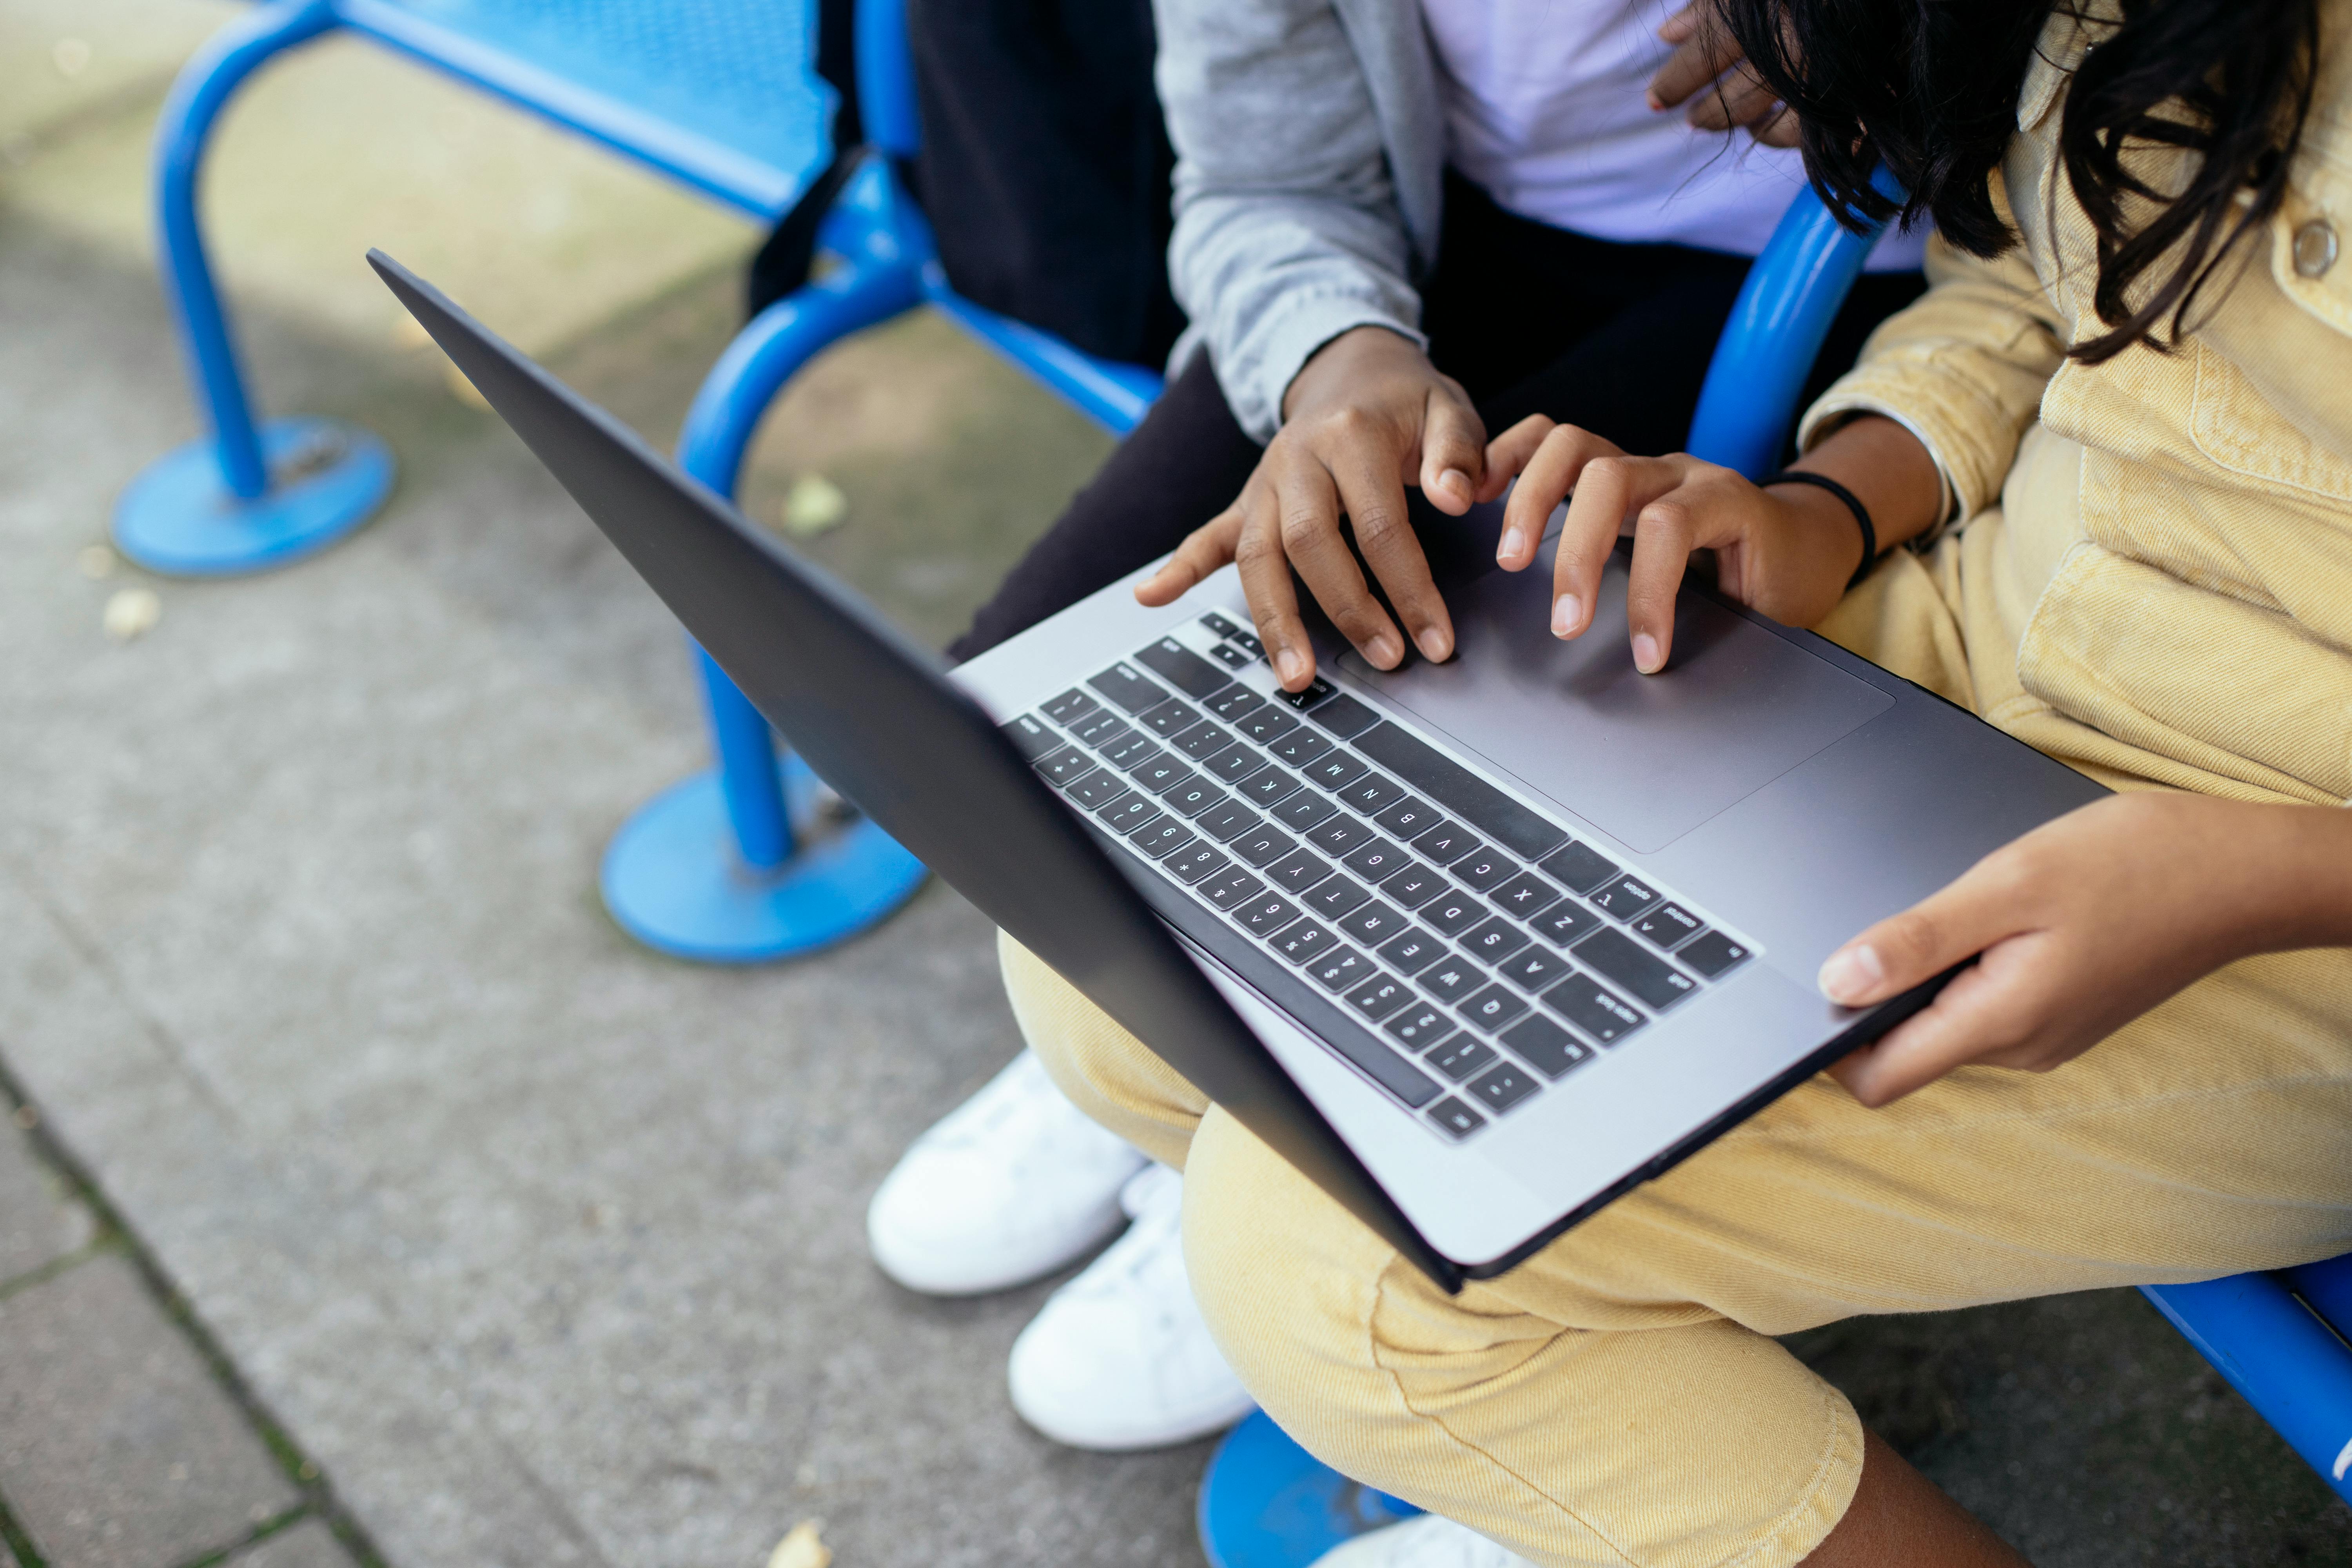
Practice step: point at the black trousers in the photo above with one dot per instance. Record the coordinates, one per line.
(1529, 318)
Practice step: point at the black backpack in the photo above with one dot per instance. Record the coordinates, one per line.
(1045, 166)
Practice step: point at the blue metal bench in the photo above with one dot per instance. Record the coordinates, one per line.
(720, 95)
(2282, 1339)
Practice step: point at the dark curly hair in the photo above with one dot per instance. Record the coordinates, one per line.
(1929, 90)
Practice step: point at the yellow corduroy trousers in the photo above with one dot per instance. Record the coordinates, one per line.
(1619, 1398)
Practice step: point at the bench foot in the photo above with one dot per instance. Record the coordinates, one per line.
(1267, 1502)
(674, 880)
(179, 518)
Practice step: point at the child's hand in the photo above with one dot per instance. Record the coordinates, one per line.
(2085, 923)
(1787, 551)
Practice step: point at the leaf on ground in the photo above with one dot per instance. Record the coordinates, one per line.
(800, 1548)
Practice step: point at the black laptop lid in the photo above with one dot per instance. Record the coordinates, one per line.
(876, 717)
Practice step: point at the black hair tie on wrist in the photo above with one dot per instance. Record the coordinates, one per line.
(1853, 504)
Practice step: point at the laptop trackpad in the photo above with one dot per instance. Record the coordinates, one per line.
(1644, 758)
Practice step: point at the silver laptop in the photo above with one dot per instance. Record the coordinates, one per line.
(1478, 946)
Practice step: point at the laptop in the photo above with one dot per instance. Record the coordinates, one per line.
(1476, 946)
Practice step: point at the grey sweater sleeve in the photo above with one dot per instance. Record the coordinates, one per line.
(1287, 227)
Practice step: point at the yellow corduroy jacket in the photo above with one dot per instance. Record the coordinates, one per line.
(2154, 579)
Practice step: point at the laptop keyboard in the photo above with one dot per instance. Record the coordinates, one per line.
(1486, 951)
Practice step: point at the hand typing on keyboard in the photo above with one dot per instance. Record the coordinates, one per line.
(1367, 417)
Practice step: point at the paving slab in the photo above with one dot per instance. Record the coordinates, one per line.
(309, 1544)
(40, 1221)
(117, 1448)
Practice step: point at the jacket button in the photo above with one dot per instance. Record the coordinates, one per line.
(2315, 247)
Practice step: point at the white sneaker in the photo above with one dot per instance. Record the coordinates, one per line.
(1427, 1541)
(1009, 1186)
(1119, 1358)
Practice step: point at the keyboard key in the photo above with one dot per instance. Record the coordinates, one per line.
(1335, 770)
(1454, 1118)
(1668, 925)
(1492, 1008)
(1193, 797)
(1130, 749)
(1066, 765)
(1069, 705)
(1525, 894)
(1230, 890)
(1715, 954)
(1194, 864)
(1580, 866)
(1564, 922)
(1264, 725)
(1233, 764)
(1460, 791)
(1128, 812)
(1334, 897)
(1340, 968)
(1098, 788)
(1303, 811)
(1268, 785)
(1227, 821)
(1183, 669)
(1160, 772)
(1340, 834)
(1376, 861)
(1202, 740)
(1344, 716)
(1484, 869)
(1248, 642)
(1385, 1066)
(1297, 870)
(1415, 886)
(1099, 726)
(1533, 970)
(1303, 941)
(1219, 624)
(1241, 700)
(1378, 997)
(1420, 1027)
(1373, 794)
(1650, 978)
(1452, 980)
(1446, 843)
(1317, 690)
(1494, 941)
(1372, 923)
(1145, 825)
(1593, 1009)
(1545, 1045)
(1265, 914)
(1409, 818)
(1164, 837)
(1170, 718)
(1502, 1088)
(1299, 747)
(1414, 952)
(1130, 691)
(1462, 1058)
(1261, 845)
(1233, 657)
(1453, 911)
(1625, 897)
(1030, 737)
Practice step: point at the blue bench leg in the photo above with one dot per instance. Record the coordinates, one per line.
(2285, 1361)
(717, 869)
(1265, 1502)
(248, 498)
